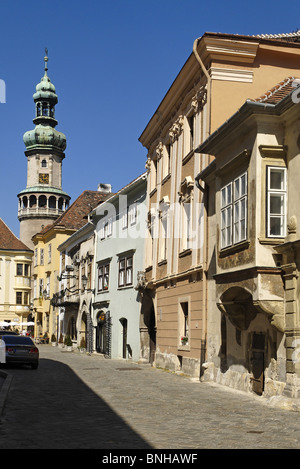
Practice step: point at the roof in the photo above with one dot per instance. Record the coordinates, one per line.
(293, 36)
(75, 216)
(277, 93)
(8, 241)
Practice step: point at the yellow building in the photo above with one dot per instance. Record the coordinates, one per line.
(220, 74)
(46, 260)
(15, 271)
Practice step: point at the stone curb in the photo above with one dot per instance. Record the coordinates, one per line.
(4, 389)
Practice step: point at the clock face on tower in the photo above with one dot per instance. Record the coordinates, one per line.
(44, 178)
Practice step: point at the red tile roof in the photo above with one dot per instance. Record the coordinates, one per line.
(8, 241)
(75, 216)
(277, 93)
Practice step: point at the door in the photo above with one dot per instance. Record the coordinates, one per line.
(258, 359)
(123, 321)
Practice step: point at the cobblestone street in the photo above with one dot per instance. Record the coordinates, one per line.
(78, 401)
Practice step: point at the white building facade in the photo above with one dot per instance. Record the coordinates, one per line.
(120, 226)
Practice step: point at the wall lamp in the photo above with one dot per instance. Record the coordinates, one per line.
(84, 281)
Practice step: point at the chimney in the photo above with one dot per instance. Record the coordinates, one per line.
(106, 188)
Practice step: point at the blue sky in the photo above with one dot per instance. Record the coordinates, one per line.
(111, 63)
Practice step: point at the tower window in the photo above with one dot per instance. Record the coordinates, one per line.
(44, 164)
(45, 109)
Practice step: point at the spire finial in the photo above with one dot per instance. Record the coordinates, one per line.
(46, 60)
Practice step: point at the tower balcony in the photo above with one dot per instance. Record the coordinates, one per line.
(45, 205)
(46, 212)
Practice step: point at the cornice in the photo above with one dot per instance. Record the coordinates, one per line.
(216, 48)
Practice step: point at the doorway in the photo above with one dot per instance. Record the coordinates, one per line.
(258, 362)
(100, 333)
(124, 324)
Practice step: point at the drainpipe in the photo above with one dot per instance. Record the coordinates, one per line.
(208, 77)
(203, 354)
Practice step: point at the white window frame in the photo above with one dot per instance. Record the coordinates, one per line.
(234, 207)
(282, 194)
(125, 271)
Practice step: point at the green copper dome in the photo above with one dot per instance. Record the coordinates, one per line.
(45, 135)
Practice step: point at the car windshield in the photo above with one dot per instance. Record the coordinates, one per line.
(16, 340)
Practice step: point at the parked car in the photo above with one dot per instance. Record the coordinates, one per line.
(21, 350)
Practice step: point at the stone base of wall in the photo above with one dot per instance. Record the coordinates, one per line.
(177, 363)
(240, 381)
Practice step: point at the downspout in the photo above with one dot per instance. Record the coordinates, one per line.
(208, 77)
(203, 353)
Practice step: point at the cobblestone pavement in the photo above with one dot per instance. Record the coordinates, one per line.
(78, 401)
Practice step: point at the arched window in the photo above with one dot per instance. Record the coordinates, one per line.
(52, 202)
(32, 201)
(42, 201)
(44, 163)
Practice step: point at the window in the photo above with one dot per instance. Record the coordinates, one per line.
(167, 160)
(49, 253)
(26, 270)
(164, 236)
(26, 298)
(132, 214)
(276, 202)
(190, 137)
(41, 287)
(18, 297)
(234, 212)
(42, 256)
(184, 322)
(48, 286)
(125, 219)
(103, 277)
(125, 271)
(186, 238)
(19, 269)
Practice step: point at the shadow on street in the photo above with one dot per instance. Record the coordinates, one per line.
(51, 407)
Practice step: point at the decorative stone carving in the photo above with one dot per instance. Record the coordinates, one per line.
(199, 99)
(292, 227)
(176, 129)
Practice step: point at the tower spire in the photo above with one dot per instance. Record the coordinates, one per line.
(46, 60)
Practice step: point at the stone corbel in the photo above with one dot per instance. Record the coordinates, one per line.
(199, 99)
(159, 151)
(274, 310)
(176, 129)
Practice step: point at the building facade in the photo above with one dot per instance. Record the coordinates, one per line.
(219, 75)
(47, 267)
(15, 280)
(120, 227)
(253, 245)
(43, 200)
(76, 290)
